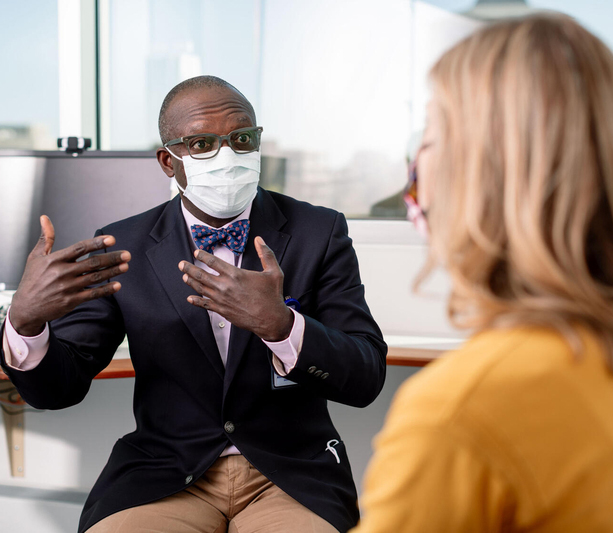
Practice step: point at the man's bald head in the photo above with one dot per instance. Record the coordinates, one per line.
(192, 84)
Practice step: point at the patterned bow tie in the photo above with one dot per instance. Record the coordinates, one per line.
(234, 236)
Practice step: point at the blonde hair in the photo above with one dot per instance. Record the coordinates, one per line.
(522, 217)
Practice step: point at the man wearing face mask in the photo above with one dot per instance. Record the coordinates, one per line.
(244, 313)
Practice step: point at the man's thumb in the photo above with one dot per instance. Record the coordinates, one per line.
(47, 236)
(267, 256)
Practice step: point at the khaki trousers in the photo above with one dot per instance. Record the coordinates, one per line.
(232, 496)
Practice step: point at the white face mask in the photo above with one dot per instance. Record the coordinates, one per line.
(224, 185)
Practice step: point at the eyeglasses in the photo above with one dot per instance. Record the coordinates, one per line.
(415, 213)
(207, 145)
(410, 191)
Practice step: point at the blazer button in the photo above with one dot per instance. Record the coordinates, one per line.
(311, 369)
(229, 427)
(318, 373)
(324, 375)
(188, 479)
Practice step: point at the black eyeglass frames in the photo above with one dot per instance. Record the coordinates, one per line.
(207, 145)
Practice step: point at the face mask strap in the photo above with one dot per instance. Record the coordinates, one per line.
(175, 177)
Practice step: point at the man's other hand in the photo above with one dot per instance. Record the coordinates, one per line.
(55, 283)
(249, 300)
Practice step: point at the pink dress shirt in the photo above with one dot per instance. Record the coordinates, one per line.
(25, 353)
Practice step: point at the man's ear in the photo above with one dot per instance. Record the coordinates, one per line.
(165, 161)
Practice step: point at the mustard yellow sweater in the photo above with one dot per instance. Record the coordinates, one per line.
(509, 433)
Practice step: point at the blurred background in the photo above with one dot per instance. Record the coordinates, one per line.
(339, 86)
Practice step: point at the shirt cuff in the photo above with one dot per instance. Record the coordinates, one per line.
(24, 353)
(285, 353)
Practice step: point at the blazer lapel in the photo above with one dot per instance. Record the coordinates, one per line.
(173, 246)
(266, 221)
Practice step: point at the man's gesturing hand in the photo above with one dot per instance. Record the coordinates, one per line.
(249, 300)
(55, 283)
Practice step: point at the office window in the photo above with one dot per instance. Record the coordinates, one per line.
(339, 86)
(595, 15)
(154, 44)
(329, 82)
(438, 24)
(29, 92)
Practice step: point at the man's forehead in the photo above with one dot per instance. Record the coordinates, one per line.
(214, 106)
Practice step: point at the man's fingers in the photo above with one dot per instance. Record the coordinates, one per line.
(197, 274)
(72, 253)
(94, 293)
(93, 278)
(101, 261)
(266, 255)
(200, 301)
(219, 265)
(97, 292)
(48, 234)
(206, 287)
(206, 303)
(47, 237)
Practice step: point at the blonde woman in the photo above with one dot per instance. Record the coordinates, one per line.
(514, 431)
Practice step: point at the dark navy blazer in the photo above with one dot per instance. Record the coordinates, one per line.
(183, 395)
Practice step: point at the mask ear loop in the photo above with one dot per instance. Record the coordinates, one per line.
(173, 155)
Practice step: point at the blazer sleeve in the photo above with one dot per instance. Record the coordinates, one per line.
(343, 352)
(64, 375)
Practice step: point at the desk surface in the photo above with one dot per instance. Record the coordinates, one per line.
(403, 351)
